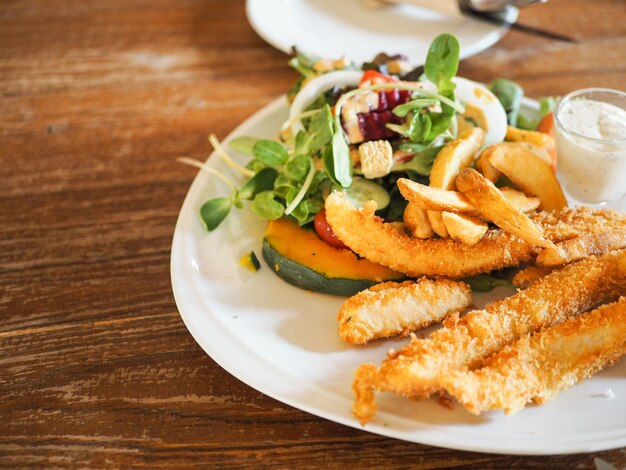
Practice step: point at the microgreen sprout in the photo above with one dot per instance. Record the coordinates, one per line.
(227, 159)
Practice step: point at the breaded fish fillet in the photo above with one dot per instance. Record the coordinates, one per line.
(372, 238)
(418, 368)
(580, 247)
(394, 308)
(526, 277)
(537, 367)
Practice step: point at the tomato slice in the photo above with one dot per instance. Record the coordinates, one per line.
(372, 77)
(546, 125)
(325, 231)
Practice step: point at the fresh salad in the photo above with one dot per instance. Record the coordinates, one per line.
(359, 129)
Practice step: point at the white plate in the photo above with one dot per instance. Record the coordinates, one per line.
(283, 342)
(333, 29)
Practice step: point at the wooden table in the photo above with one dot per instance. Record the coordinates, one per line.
(97, 99)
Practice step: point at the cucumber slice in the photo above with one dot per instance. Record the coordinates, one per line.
(363, 190)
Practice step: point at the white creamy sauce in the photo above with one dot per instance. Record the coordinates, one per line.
(594, 119)
(594, 170)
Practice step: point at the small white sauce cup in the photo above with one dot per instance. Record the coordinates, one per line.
(592, 169)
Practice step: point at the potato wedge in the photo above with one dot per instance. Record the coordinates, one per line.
(436, 222)
(530, 174)
(455, 156)
(435, 199)
(581, 247)
(539, 143)
(468, 230)
(519, 199)
(485, 167)
(416, 221)
(491, 173)
(540, 152)
(492, 205)
(546, 141)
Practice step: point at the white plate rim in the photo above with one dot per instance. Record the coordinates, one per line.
(285, 45)
(196, 315)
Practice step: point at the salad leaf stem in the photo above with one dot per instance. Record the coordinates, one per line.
(243, 144)
(403, 109)
(289, 123)
(305, 187)
(208, 169)
(227, 159)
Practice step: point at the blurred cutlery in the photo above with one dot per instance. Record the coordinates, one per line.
(496, 12)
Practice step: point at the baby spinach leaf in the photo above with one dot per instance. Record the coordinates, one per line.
(265, 206)
(329, 166)
(547, 105)
(442, 60)
(440, 122)
(262, 181)
(214, 211)
(270, 152)
(510, 95)
(300, 142)
(319, 132)
(303, 63)
(341, 165)
(243, 144)
(419, 128)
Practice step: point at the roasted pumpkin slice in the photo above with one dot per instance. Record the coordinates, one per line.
(301, 258)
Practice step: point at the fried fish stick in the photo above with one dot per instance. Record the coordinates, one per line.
(418, 368)
(581, 247)
(537, 367)
(528, 276)
(394, 308)
(372, 238)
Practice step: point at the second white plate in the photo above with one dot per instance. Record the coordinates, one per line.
(333, 29)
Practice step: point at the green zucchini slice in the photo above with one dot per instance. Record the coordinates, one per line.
(301, 258)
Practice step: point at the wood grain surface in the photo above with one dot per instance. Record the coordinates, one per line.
(97, 369)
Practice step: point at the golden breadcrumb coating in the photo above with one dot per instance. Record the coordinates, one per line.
(537, 367)
(393, 308)
(372, 238)
(418, 368)
(526, 277)
(581, 247)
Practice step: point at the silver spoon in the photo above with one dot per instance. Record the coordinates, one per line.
(491, 6)
(492, 11)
